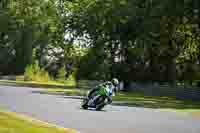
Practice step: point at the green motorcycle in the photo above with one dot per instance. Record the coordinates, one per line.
(98, 99)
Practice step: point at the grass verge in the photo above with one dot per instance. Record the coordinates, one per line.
(68, 84)
(12, 123)
(140, 100)
(156, 102)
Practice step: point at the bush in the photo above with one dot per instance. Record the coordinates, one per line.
(20, 78)
(61, 75)
(33, 72)
(71, 79)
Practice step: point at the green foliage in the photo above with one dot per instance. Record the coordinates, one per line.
(94, 65)
(24, 26)
(72, 79)
(120, 38)
(33, 72)
(148, 37)
(61, 74)
(72, 56)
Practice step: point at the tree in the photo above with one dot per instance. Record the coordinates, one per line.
(121, 26)
(30, 24)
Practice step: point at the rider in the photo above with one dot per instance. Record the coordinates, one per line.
(113, 85)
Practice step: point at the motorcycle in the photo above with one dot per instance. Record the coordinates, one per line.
(98, 99)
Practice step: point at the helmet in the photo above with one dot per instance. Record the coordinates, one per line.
(115, 82)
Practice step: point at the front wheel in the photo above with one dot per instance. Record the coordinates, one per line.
(100, 107)
(101, 104)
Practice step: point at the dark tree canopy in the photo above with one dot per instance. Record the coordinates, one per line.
(142, 40)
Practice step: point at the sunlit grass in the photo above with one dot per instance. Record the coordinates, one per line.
(28, 82)
(11, 123)
(157, 102)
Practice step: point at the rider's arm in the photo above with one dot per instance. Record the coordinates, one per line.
(96, 88)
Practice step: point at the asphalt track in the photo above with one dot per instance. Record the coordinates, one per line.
(66, 112)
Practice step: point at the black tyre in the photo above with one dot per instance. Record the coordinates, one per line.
(100, 104)
(85, 104)
(100, 107)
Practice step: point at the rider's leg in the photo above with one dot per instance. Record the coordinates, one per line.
(91, 92)
(92, 101)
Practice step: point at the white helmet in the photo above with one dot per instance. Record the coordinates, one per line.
(115, 82)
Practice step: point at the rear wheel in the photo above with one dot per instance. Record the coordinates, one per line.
(85, 104)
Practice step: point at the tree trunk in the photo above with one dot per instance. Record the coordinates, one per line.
(24, 50)
(171, 71)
